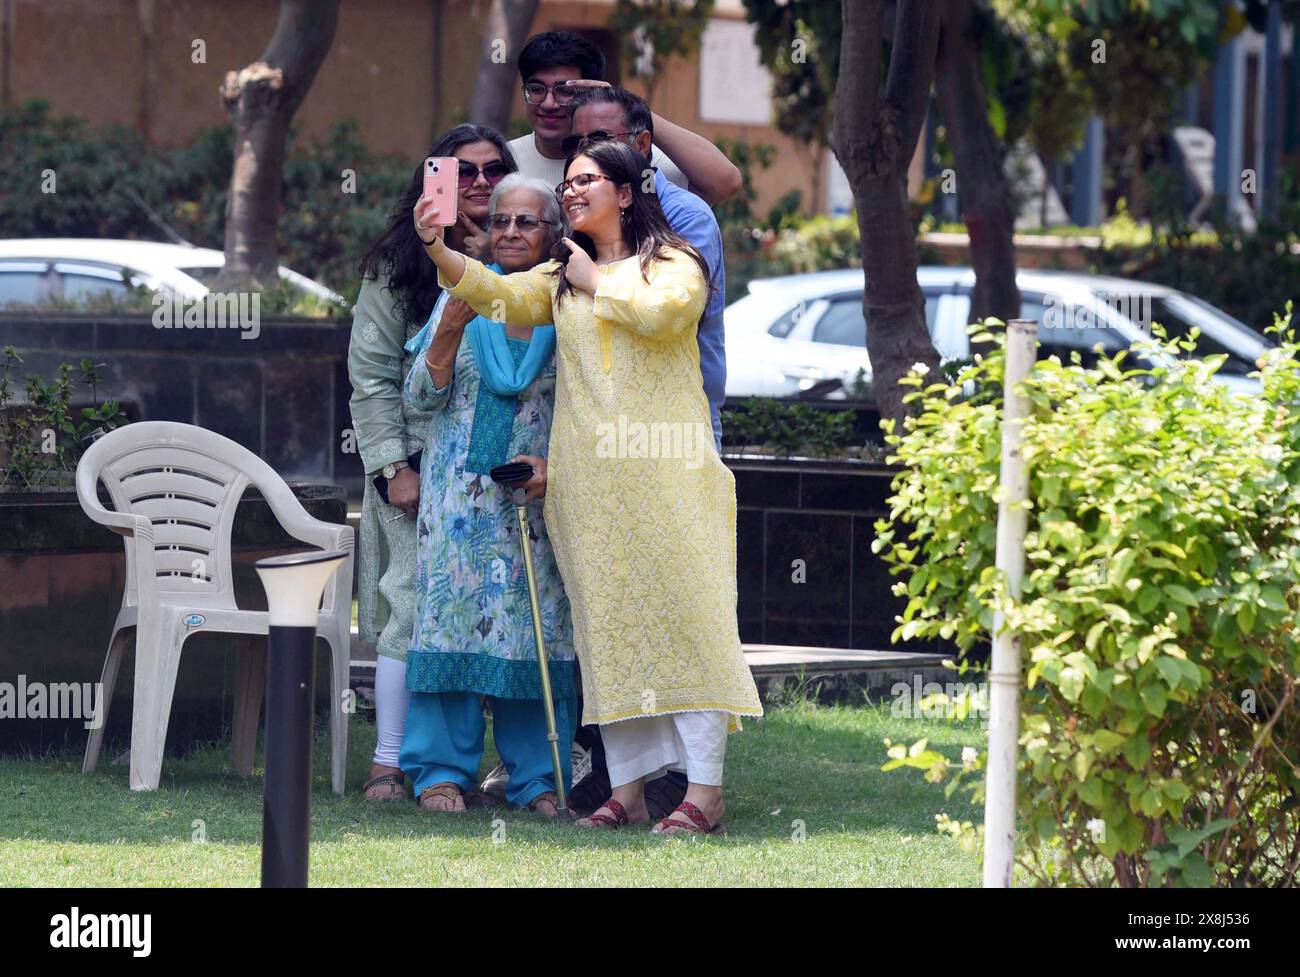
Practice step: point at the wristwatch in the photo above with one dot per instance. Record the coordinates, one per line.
(392, 468)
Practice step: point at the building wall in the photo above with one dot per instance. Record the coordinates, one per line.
(402, 68)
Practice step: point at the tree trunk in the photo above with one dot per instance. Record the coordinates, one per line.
(504, 33)
(262, 99)
(981, 183)
(874, 138)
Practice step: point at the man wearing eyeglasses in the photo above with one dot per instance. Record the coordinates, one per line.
(615, 113)
(555, 66)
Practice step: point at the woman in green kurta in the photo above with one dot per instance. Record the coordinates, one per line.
(641, 510)
(398, 295)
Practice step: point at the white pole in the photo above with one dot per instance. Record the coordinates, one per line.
(1004, 675)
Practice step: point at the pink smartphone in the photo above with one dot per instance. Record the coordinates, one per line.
(440, 181)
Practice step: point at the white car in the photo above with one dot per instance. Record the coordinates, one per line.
(35, 270)
(793, 334)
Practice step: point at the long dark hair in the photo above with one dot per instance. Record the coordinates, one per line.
(646, 231)
(397, 253)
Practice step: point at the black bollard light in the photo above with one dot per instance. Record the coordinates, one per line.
(294, 584)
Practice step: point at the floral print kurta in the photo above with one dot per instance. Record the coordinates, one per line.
(641, 508)
(473, 620)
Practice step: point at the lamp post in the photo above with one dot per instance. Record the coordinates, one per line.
(294, 584)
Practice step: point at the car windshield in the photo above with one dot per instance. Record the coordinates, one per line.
(1179, 314)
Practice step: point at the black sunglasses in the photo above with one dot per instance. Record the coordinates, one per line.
(572, 144)
(493, 172)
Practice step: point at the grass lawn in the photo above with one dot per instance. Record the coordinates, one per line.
(802, 763)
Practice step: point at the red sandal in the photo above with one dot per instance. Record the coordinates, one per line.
(598, 820)
(699, 823)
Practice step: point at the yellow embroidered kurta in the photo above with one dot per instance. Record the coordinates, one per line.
(640, 509)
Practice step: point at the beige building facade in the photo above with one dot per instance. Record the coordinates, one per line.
(403, 69)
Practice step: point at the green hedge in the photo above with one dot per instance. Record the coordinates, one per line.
(110, 184)
(1158, 616)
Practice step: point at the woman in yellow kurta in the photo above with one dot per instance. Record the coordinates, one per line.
(640, 510)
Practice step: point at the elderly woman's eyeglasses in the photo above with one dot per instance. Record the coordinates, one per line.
(579, 182)
(526, 223)
(493, 172)
(535, 92)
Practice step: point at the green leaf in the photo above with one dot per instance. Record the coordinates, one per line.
(1246, 618)
(1187, 839)
(1137, 751)
(1196, 872)
(1170, 670)
(1071, 683)
(1271, 597)
(1155, 699)
(1094, 634)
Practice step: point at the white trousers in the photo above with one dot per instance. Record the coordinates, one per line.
(648, 746)
(391, 700)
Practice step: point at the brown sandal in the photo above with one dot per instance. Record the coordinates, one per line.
(395, 781)
(699, 823)
(598, 820)
(546, 795)
(445, 789)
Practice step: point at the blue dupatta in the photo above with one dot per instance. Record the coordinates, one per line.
(506, 368)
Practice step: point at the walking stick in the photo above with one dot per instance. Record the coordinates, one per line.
(507, 475)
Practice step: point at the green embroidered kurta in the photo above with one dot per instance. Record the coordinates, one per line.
(387, 430)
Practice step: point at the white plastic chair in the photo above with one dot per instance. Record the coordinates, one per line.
(175, 488)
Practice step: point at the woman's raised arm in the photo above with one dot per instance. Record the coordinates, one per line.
(521, 299)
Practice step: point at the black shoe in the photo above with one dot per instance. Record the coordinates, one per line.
(494, 785)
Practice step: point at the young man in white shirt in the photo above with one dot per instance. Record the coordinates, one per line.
(550, 64)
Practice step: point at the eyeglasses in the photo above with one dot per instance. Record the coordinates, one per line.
(526, 223)
(535, 92)
(493, 172)
(579, 182)
(571, 144)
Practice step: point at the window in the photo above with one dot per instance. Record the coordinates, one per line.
(1220, 333)
(782, 327)
(1066, 328)
(78, 287)
(843, 324)
(23, 283)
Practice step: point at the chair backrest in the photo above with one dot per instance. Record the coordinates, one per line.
(187, 481)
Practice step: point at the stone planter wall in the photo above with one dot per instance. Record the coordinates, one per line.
(61, 583)
(823, 514)
(283, 395)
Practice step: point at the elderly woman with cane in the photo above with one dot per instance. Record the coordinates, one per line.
(490, 389)
(645, 540)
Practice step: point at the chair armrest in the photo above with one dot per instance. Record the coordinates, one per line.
(122, 523)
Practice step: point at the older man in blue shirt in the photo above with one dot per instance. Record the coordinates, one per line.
(619, 114)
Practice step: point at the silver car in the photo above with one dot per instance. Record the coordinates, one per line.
(805, 334)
